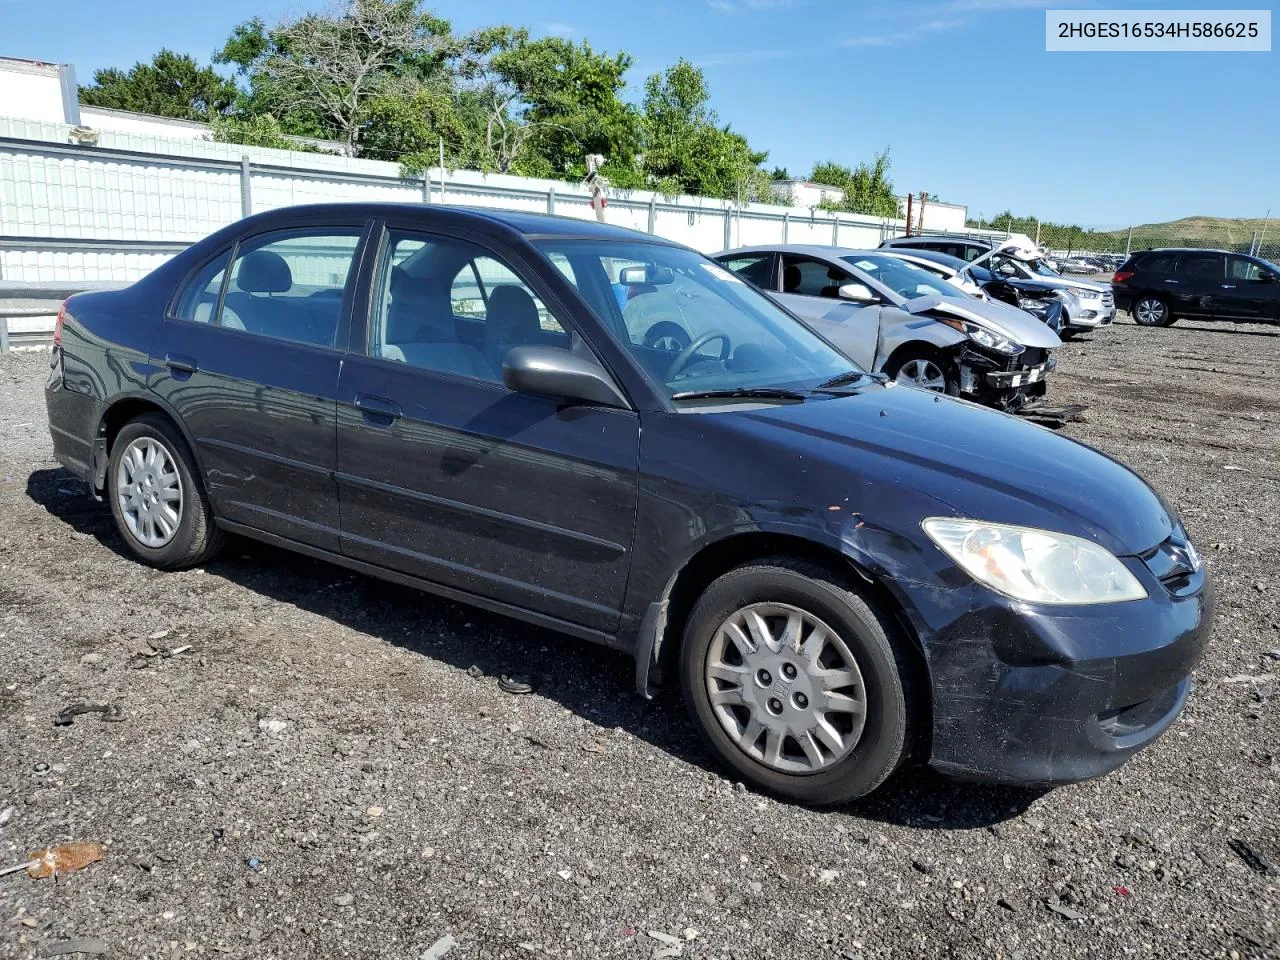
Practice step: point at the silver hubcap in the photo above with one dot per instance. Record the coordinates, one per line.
(1149, 311)
(785, 688)
(924, 374)
(150, 492)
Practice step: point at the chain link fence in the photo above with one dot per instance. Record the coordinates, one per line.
(1111, 247)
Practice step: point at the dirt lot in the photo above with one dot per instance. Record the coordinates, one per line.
(320, 774)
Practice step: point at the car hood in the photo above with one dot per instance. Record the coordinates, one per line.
(1010, 322)
(1063, 284)
(982, 464)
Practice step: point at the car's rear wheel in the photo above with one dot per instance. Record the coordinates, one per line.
(159, 504)
(795, 681)
(924, 369)
(666, 335)
(1152, 311)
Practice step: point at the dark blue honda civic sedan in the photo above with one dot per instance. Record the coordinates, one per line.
(844, 574)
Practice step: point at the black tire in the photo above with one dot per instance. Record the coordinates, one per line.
(196, 539)
(886, 737)
(675, 336)
(1066, 333)
(925, 354)
(1152, 311)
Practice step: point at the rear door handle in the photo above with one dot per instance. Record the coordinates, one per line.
(378, 410)
(181, 363)
(1228, 286)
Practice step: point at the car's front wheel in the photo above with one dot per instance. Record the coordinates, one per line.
(159, 504)
(795, 681)
(1152, 311)
(925, 369)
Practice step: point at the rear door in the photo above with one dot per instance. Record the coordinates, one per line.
(1196, 286)
(811, 289)
(249, 361)
(1249, 291)
(447, 475)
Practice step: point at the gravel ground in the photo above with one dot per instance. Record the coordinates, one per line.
(321, 774)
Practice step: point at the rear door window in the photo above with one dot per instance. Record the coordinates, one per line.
(756, 268)
(199, 300)
(1208, 266)
(291, 284)
(812, 278)
(1157, 263)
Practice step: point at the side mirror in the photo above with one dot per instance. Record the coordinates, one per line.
(858, 292)
(555, 372)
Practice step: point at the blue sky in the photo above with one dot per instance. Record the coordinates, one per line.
(962, 91)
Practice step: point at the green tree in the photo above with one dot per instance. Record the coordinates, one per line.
(171, 85)
(867, 189)
(261, 130)
(324, 70)
(686, 148)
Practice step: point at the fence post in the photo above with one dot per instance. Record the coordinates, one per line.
(246, 187)
(835, 230)
(426, 187)
(1128, 244)
(4, 334)
(551, 200)
(653, 215)
(728, 226)
(786, 225)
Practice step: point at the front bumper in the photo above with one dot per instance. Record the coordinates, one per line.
(1041, 695)
(1012, 379)
(1003, 382)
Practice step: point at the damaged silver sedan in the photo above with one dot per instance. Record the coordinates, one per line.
(894, 318)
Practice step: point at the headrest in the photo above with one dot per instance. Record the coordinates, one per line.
(512, 314)
(264, 272)
(791, 277)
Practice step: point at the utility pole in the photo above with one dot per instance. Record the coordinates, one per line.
(923, 199)
(1263, 235)
(910, 201)
(442, 170)
(596, 183)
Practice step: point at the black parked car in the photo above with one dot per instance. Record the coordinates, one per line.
(843, 573)
(1160, 287)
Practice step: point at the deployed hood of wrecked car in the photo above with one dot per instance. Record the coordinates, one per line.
(1010, 322)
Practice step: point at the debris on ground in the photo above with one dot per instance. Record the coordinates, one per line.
(272, 728)
(1252, 858)
(671, 946)
(111, 713)
(6, 815)
(90, 945)
(57, 861)
(440, 948)
(516, 685)
(1062, 910)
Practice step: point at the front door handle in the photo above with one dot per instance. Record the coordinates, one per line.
(1228, 286)
(378, 410)
(180, 363)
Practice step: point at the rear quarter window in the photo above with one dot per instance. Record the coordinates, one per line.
(1155, 263)
(199, 299)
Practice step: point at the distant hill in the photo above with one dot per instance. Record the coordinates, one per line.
(1211, 231)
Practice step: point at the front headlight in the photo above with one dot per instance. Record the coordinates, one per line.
(1085, 293)
(984, 337)
(1037, 566)
(1037, 308)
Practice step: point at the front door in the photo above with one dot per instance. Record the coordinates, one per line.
(811, 289)
(1249, 292)
(248, 361)
(447, 475)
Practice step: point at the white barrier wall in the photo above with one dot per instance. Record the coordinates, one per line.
(116, 209)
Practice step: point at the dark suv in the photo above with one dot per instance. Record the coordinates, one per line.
(1158, 287)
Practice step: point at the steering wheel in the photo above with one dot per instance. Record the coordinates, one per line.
(686, 355)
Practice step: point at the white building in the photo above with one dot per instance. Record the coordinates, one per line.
(806, 193)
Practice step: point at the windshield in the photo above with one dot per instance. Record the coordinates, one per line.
(690, 323)
(906, 280)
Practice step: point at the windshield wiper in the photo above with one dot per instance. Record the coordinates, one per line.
(843, 379)
(741, 393)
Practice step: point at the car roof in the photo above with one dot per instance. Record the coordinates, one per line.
(1188, 250)
(933, 256)
(527, 224)
(819, 250)
(940, 237)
